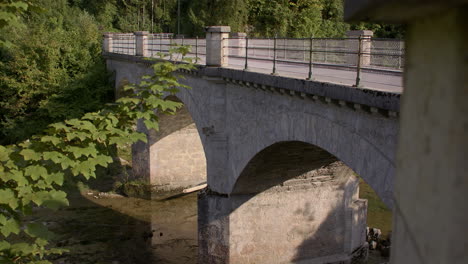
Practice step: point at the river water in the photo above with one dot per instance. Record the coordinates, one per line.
(120, 230)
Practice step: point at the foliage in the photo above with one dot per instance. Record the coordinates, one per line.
(10, 11)
(32, 172)
(285, 18)
(203, 13)
(382, 30)
(52, 72)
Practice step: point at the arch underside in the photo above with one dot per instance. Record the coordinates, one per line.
(294, 202)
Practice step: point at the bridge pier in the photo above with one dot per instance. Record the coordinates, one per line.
(311, 219)
(174, 157)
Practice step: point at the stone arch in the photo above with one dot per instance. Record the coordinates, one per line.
(293, 202)
(362, 141)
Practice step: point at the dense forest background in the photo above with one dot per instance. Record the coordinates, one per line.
(51, 68)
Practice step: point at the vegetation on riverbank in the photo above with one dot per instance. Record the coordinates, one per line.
(51, 70)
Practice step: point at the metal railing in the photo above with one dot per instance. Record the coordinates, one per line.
(124, 43)
(307, 57)
(358, 54)
(158, 45)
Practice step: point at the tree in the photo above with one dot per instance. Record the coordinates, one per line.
(52, 71)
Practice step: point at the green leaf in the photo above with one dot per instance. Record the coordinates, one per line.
(36, 172)
(7, 196)
(4, 153)
(55, 178)
(17, 176)
(150, 124)
(54, 140)
(135, 137)
(22, 249)
(67, 163)
(4, 246)
(3, 219)
(41, 242)
(103, 160)
(39, 197)
(30, 154)
(39, 230)
(51, 199)
(85, 168)
(56, 199)
(11, 226)
(78, 152)
(60, 126)
(54, 156)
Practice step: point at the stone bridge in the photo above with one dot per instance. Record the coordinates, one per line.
(280, 156)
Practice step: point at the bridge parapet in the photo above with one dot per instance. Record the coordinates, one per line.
(358, 60)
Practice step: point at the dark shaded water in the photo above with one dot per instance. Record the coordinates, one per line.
(125, 230)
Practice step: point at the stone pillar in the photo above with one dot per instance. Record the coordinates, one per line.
(238, 40)
(317, 220)
(173, 158)
(216, 52)
(141, 43)
(353, 46)
(107, 42)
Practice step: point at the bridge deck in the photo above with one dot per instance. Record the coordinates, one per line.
(388, 82)
(334, 60)
(373, 79)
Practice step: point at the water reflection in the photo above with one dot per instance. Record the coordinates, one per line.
(121, 230)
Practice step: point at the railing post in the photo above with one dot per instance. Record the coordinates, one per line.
(358, 70)
(246, 53)
(310, 58)
(304, 50)
(216, 50)
(269, 47)
(160, 44)
(274, 56)
(141, 42)
(107, 44)
(364, 45)
(399, 54)
(182, 44)
(196, 49)
(238, 41)
(285, 43)
(326, 51)
(170, 47)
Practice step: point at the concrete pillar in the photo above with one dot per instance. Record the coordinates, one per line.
(317, 220)
(432, 181)
(431, 186)
(107, 42)
(238, 40)
(353, 46)
(216, 52)
(141, 40)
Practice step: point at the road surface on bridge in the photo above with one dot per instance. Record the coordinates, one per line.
(387, 81)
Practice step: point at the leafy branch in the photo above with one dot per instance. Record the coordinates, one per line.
(33, 172)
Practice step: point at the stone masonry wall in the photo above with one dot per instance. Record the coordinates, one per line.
(309, 219)
(177, 155)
